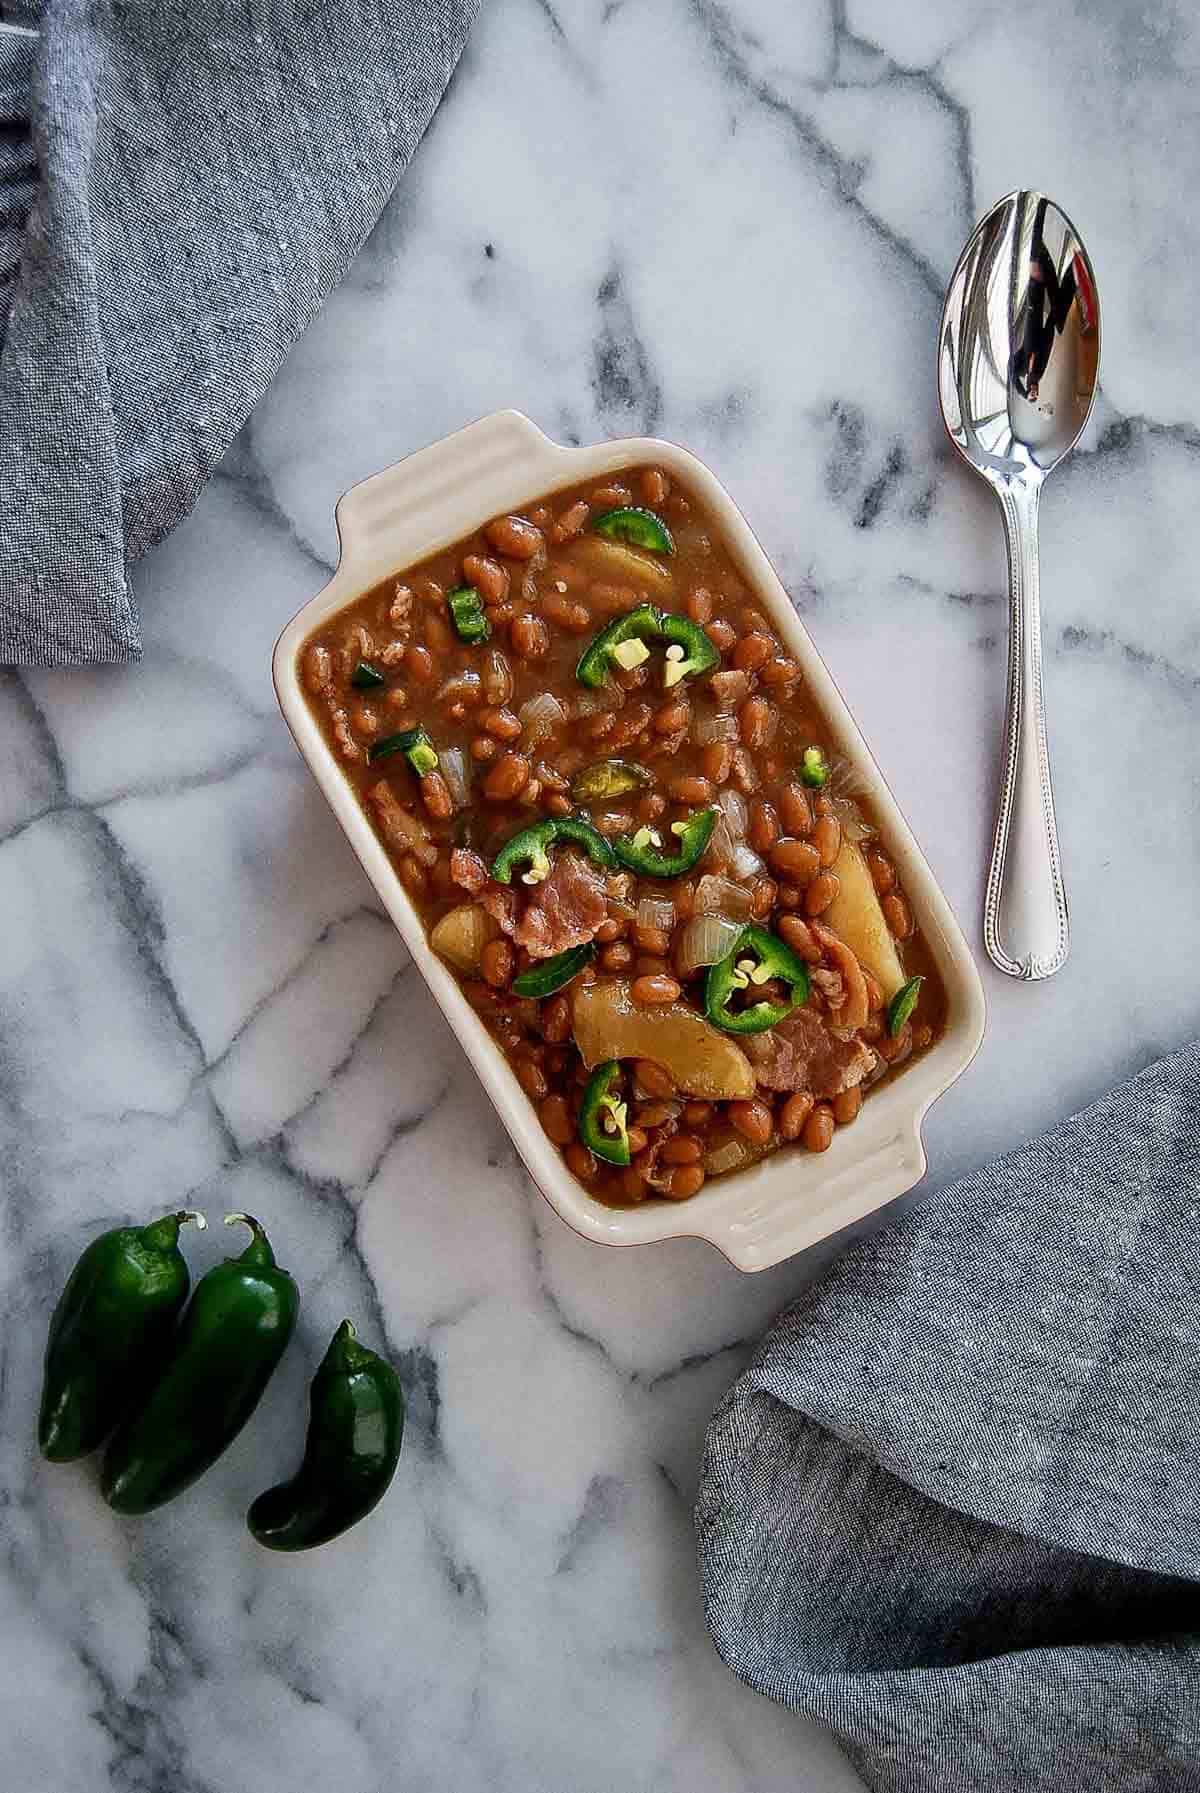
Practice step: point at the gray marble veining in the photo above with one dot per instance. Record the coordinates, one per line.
(731, 224)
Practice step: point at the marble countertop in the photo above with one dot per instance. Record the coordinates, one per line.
(730, 224)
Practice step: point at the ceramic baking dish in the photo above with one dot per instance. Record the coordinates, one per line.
(758, 1216)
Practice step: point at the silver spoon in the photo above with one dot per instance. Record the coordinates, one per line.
(1018, 358)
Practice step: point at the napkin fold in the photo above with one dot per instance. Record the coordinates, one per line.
(952, 1508)
(181, 186)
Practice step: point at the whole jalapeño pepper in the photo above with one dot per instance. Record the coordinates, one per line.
(111, 1327)
(233, 1334)
(355, 1425)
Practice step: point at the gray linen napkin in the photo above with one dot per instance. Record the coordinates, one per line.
(181, 186)
(952, 1509)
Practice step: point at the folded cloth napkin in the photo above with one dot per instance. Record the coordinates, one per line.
(952, 1509)
(181, 186)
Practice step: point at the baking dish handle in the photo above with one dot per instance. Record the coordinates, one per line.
(501, 458)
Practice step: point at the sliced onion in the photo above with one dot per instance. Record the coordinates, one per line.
(497, 677)
(706, 939)
(656, 912)
(732, 805)
(721, 725)
(746, 862)
(539, 717)
(731, 1154)
(452, 763)
(718, 895)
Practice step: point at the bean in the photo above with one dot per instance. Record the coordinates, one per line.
(721, 634)
(699, 604)
(683, 1148)
(717, 761)
(499, 614)
(818, 1128)
(847, 1105)
(612, 821)
(610, 930)
(435, 795)
(653, 988)
(753, 651)
(555, 1117)
(789, 897)
(514, 537)
(612, 496)
(430, 590)
(540, 515)
(483, 748)
(874, 992)
(501, 723)
(488, 577)
(883, 874)
(571, 523)
(896, 914)
(633, 1184)
(617, 957)
(795, 860)
(827, 839)
(438, 638)
(597, 726)
(651, 806)
(400, 608)
(530, 636)
(654, 485)
(821, 892)
(690, 789)
(366, 719)
(654, 1078)
(922, 1037)
(651, 940)
(575, 617)
(895, 1050)
(396, 698)
(419, 663)
(509, 775)
(754, 722)
(412, 876)
(580, 1161)
(762, 898)
(779, 671)
(612, 600)
(638, 1141)
(684, 1181)
(496, 964)
(795, 809)
(753, 1120)
(871, 1029)
(673, 716)
(795, 1113)
(763, 831)
(556, 1019)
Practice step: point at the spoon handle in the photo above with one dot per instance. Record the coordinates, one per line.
(1025, 923)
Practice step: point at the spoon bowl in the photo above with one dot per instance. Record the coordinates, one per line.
(1018, 365)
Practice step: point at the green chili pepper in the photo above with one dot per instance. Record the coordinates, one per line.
(603, 1126)
(112, 1323)
(688, 648)
(355, 1425)
(814, 768)
(757, 956)
(233, 1335)
(466, 613)
(366, 677)
(413, 743)
(903, 1003)
(549, 975)
(631, 523)
(641, 851)
(532, 846)
(609, 778)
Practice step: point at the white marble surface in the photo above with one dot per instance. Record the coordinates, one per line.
(730, 224)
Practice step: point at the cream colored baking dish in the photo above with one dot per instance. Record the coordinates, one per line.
(758, 1216)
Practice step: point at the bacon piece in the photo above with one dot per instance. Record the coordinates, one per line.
(564, 910)
(802, 1053)
(468, 870)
